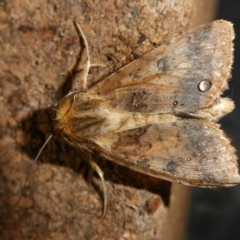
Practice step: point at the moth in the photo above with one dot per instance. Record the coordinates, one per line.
(157, 115)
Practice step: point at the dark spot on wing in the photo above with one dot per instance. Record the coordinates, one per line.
(138, 99)
(162, 64)
(171, 166)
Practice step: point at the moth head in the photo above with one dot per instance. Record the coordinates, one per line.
(64, 111)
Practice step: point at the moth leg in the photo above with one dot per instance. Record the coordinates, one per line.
(98, 170)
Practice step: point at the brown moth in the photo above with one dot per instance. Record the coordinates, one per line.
(157, 115)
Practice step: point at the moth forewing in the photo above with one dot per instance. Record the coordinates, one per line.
(157, 114)
(186, 75)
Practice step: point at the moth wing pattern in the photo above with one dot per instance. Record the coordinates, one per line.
(192, 152)
(185, 75)
(157, 115)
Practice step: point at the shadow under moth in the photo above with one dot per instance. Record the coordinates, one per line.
(157, 115)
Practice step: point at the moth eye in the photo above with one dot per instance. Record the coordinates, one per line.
(175, 103)
(180, 159)
(204, 85)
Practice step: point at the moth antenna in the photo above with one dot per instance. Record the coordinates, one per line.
(35, 160)
(98, 170)
(88, 64)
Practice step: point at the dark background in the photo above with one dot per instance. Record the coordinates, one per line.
(215, 213)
